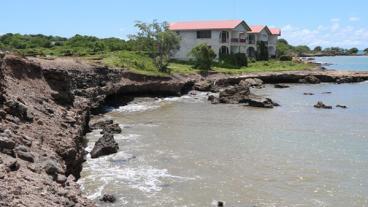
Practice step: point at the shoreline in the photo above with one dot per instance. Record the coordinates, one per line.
(45, 109)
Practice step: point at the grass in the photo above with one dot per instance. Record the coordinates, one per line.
(142, 64)
(133, 61)
(259, 66)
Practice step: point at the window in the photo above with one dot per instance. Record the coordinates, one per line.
(203, 34)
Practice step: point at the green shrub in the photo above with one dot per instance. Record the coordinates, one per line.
(236, 60)
(203, 56)
(286, 58)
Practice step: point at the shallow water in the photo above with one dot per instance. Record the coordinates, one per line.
(345, 63)
(187, 152)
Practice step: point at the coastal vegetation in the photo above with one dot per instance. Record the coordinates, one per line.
(203, 56)
(285, 49)
(148, 52)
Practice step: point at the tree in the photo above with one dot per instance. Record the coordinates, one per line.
(157, 41)
(203, 56)
(262, 51)
(317, 49)
(366, 51)
(282, 48)
(302, 49)
(353, 50)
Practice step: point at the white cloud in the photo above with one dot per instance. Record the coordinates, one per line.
(333, 34)
(354, 19)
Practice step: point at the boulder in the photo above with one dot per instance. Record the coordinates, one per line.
(108, 198)
(51, 167)
(19, 110)
(101, 124)
(60, 178)
(203, 86)
(111, 129)
(234, 94)
(281, 86)
(106, 145)
(23, 153)
(6, 142)
(261, 102)
(311, 79)
(321, 105)
(253, 82)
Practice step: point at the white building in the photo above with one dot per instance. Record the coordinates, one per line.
(224, 37)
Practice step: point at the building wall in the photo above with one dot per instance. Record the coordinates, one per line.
(189, 40)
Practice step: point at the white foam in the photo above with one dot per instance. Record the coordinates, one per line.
(145, 105)
(137, 107)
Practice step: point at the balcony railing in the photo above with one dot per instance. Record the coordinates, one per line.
(238, 40)
(252, 42)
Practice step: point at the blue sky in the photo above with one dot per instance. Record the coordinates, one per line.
(313, 22)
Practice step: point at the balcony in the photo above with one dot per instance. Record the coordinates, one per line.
(238, 40)
(252, 42)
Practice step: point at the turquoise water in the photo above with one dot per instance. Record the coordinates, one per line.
(345, 63)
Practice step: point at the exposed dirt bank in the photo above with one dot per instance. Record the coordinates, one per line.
(44, 113)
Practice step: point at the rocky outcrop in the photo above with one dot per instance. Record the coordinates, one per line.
(106, 145)
(253, 82)
(311, 79)
(107, 126)
(240, 94)
(35, 126)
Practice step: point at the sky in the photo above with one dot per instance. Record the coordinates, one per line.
(313, 22)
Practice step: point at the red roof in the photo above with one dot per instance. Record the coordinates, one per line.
(259, 28)
(256, 28)
(202, 25)
(275, 31)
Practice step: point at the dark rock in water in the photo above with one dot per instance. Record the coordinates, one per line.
(341, 106)
(308, 94)
(281, 86)
(234, 94)
(261, 102)
(310, 79)
(321, 105)
(106, 145)
(220, 204)
(6, 142)
(101, 124)
(108, 198)
(213, 99)
(107, 127)
(111, 129)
